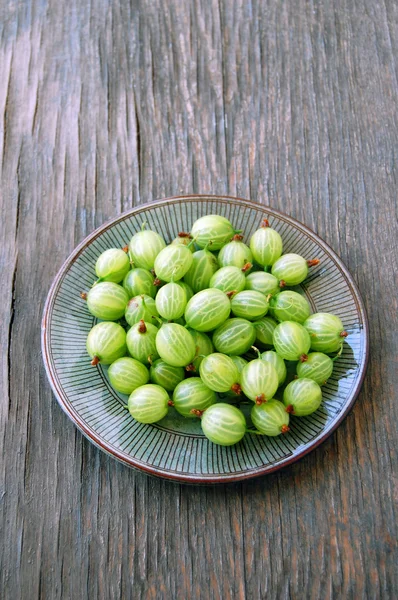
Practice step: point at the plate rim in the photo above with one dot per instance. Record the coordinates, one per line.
(96, 439)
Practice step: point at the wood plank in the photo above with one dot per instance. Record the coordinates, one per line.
(105, 106)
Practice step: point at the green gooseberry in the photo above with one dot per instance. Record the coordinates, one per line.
(106, 342)
(144, 247)
(317, 367)
(259, 380)
(302, 397)
(213, 231)
(279, 364)
(219, 373)
(126, 374)
(223, 424)
(270, 418)
(236, 254)
(289, 306)
(171, 301)
(265, 328)
(292, 269)
(166, 375)
(204, 347)
(192, 396)
(112, 265)
(266, 245)
(175, 345)
(107, 301)
(249, 304)
(149, 403)
(140, 281)
(141, 342)
(173, 262)
(326, 332)
(239, 362)
(291, 340)
(263, 282)
(228, 279)
(188, 290)
(184, 239)
(141, 308)
(203, 267)
(234, 336)
(207, 309)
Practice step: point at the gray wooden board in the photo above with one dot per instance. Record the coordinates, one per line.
(105, 105)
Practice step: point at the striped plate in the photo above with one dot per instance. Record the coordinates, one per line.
(175, 447)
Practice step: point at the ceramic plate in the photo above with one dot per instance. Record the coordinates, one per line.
(175, 448)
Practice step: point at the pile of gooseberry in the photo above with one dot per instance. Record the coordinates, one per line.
(207, 324)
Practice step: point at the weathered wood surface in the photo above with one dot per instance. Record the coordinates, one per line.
(108, 104)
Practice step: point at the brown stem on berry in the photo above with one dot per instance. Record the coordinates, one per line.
(184, 234)
(190, 368)
(197, 412)
(156, 282)
(265, 223)
(236, 389)
(95, 361)
(83, 295)
(295, 376)
(150, 360)
(282, 283)
(231, 293)
(237, 238)
(246, 267)
(313, 263)
(125, 249)
(303, 358)
(290, 409)
(142, 326)
(260, 399)
(170, 403)
(285, 428)
(343, 334)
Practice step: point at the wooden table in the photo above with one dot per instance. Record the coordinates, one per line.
(105, 105)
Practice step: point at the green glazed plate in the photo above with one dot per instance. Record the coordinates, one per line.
(175, 448)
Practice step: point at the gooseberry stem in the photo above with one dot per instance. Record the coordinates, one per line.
(265, 223)
(290, 409)
(343, 334)
(158, 319)
(256, 350)
(95, 361)
(303, 358)
(246, 267)
(170, 403)
(254, 431)
(261, 399)
(236, 389)
(237, 238)
(156, 282)
(191, 367)
(130, 258)
(125, 249)
(338, 353)
(142, 326)
(143, 226)
(285, 428)
(282, 283)
(197, 412)
(313, 262)
(184, 234)
(231, 293)
(83, 295)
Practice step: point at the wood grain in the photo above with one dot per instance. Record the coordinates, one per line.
(105, 105)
